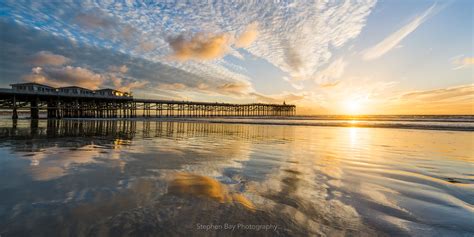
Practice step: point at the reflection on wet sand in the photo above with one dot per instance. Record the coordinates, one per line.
(201, 186)
(163, 178)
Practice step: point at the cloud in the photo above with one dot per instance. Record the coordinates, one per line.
(450, 100)
(248, 36)
(300, 42)
(297, 86)
(109, 27)
(294, 60)
(83, 77)
(202, 86)
(203, 46)
(143, 76)
(279, 98)
(128, 32)
(237, 88)
(47, 58)
(465, 92)
(132, 85)
(119, 69)
(297, 40)
(37, 70)
(391, 41)
(172, 86)
(120, 85)
(37, 77)
(293, 84)
(462, 62)
(468, 61)
(329, 84)
(228, 88)
(93, 20)
(146, 46)
(328, 77)
(208, 46)
(66, 76)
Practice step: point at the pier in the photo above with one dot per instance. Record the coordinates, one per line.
(76, 102)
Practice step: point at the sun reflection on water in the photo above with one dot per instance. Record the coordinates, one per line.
(353, 136)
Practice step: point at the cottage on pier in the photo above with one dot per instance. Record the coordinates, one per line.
(75, 90)
(112, 92)
(32, 87)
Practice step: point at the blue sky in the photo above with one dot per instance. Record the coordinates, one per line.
(325, 57)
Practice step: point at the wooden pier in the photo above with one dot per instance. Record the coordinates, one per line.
(61, 105)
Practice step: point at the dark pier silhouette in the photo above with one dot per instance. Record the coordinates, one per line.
(77, 102)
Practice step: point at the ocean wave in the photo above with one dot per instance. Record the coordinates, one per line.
(401, 124)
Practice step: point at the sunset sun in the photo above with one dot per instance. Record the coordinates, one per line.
(353, 107)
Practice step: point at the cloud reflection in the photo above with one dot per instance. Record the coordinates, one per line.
(201, 186)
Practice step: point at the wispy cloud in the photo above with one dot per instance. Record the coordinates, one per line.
(172, 86)
(232, 88)
(450, 100)
(66, 76)
(460, 62)
(120, 84)
(278, 98)
(248, 36)
(208, 46)
(201, 46)
(329, 84)
(84, 77)
(93, 20)
(293, 83)
(235, 88)
(120, 69)
(300, 44)
(464, 92)
(469, 61)
(329, 76)
(47, 58)
(395, 38)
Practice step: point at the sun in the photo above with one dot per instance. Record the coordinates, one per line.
(353, 106)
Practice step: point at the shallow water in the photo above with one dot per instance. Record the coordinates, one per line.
(149, 178)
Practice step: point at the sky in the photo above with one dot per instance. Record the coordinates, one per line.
(326, 57)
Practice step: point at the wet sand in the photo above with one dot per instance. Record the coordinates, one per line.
(155, 178)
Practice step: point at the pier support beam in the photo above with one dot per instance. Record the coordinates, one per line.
(34, 108)
(15, 112)
(52, 110)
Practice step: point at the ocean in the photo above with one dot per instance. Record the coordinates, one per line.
(431, 122)
(301, 176)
